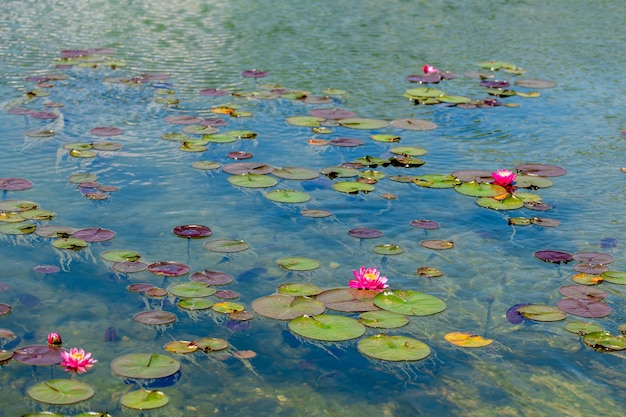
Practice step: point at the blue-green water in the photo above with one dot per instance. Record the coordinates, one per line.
(368, 50)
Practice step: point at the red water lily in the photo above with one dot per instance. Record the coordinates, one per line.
(76, 360)
(429, 69)
(503, 177)
(368, 279)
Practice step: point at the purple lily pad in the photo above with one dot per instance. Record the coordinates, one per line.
(237, 168)
(46, 269)
(94, 234)
(216, 122)
(583, 292)
(365, 233)
(20, 111)
(425, 224)
(584, 308)
(214, 92)
(15, 184)
(192, 231)
(43, 115)
(182, 120)
(254, 73)
(346, 142)
(168, 269)
(554, 256)
(4, 309)
(237, 155)
(227, 294)
(537, 205)
(333, 114)
(469, 175)
(106, 131)
(495, 84)
(593, 258)
(424, 78)
(155, 317)
(139, 287)
(541, 170)
(212, 277)
(513, 316)
(591, 269)
(73, 53)
(38, 355)
(127, 267)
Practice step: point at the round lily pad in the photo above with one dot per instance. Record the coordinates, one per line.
(192, 231)
(129, 267)
(409, 302)
(4, 309)
(316, 213)
(295, 173)
(106, 131)
(38, 355)
(299, 289)
(211, 344)
(17, 205)
(591, 269)
(69, 243)
(437, 244)
(553, 256)
(346, 142)
(582, 328)
(541, 170)
(388, 249)
(540, 312)
(145, 365)
(510, 202)
(406, 161)
(363, 123)
(287, 307)
(107, 146)
(582, 292)
(383, 319)
(60, 391)
(333, 114)
(18, 228)
(425, 224)
(348, 299)
(195, 303)
(371, 161)
(212, 277)
(605, 341)
(408, 150)
(424, 92)
(120, 255)
(144, 399)
(155, 317)
(413, 124)
(252, 181)
(327, 327)
(385, 138)
(469, 340)
(295, 263)
(168, 269)
(95, 234)
(480, 189)
(305, 121)
(428, 272)
(242, 134)
(436, 181)
(350, 187)
(227, 307)
(205, 165)
(180, 347)
(15, 184)
(191, 289)
(614, 277)
(226, 246)
(532, 181)
(393, 348)
(339, 172)
(587, 279)
(584, 307)
(365, 233)
(536, 84)
(287, 196)
(594, 258)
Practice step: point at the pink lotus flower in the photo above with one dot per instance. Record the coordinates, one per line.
(429, 69)
(368, 279)
(503, 177)
(54, 339)
(77, 361)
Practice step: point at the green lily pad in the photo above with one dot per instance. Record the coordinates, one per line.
(388, 249)
(605, 341)
(5, 355)
(519, 221)
(226, 245)
(305, 121)
(202, 303)
(479, 189)
(19, 228)
(120, 255)
(371, 161)
(348, 299)
(242, 134)
(205, 165)
(295, 173)
(228, 307)
(37, 214)
(295, 263)
(180, 347)
(372, 174)
(413, 124)
(352, 187)
(446, 98)
(191, 289)
(436, 181)
(69, 243)
(144, 399)
(532, 181)
(614, 277)
(339, 172)
(497, 65)
(424, 92)
(211, 344)
(540, 312)
(363, 123)
(511, 202)
(17, 205)
(175, 136)
(60, 391)
(385, 138)
(393, 348)
(383, 319)
(145, 365)
(299, 289)
(582, 328)
(287, 307)
(79, 178)
(79, 146)
(409, 302)
(252, 180)
(327, 327)
(408, 150)
(287, 196)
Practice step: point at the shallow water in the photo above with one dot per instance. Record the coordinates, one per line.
(530, 369)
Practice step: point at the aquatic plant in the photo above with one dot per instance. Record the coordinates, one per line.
(368, 279)
(77, 360)
(503, 177)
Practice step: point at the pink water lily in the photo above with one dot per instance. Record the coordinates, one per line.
(503, 177)
(76, 360)
(429, 69)
(368, 279)
(54, 339)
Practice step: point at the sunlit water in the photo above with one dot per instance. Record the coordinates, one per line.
(366, 48)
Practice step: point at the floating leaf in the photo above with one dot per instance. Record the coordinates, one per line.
(541, 170)
(195, 303)
(538, 84)
(582, 328)
(382, 319)
(350, 187)
(437, 244)
(295, 173)
(69, 243)
(424, 92)
(15, 184)
(587, 279)
(388, 249)
(348, 299)
(510, 202)
(145, 366)
(583, 293)
(191, 289)
(346, 142)
(155, 317)
(316, 213)
(553, 256)
(295, 263)
(299, 289)
(425, 224)
(212, 277)
(363, 123)
(437, 181)
(180, 347)
(211, 344)
(408, 150)
(428, 272)
(327, 327)
(409, 302)
(286, 307)
(385, 138)
(468, 340)
(38, 355)
(413, 124)
(305, 121)
(206, 165)
(584, 307)
(120, 255)
(339, 172)
(480, 189)
(365, 233)
(605, 341)
(226, 245)
(60, 391)
(593, 258)
(393, 348)
(168, 269)
(227, 307)
(144, 399)
(252, 181)
(540, 312)
(614, 277)
(287, 196)
(192, 231)
(94, 234)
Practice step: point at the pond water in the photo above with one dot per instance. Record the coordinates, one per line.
(344, 55)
